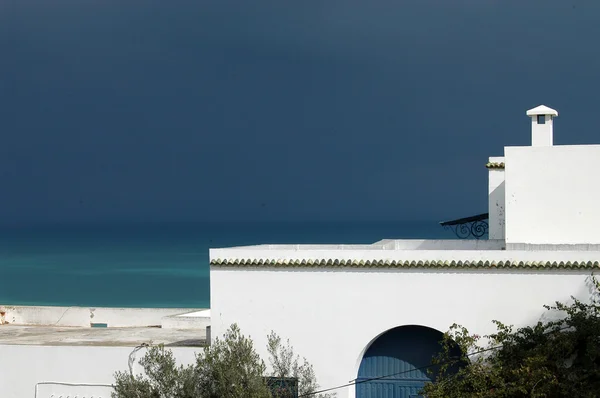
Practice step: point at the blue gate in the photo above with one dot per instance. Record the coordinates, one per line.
(398, 354)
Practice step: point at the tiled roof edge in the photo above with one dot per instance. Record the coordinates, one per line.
(495, 165)
(335, 263)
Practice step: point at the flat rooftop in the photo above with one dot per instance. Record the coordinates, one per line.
(110, 337)
(412, 253)
(388, 244)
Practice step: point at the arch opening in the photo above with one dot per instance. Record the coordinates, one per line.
(396, 364)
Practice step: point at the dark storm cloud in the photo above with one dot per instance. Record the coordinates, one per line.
(279, 110)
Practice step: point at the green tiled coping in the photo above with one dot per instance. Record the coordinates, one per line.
(495, 165)
(403, 264)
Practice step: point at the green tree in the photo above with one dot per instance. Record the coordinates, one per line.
(229, 367)
(285, 364)
(556, 358)
(162, 378)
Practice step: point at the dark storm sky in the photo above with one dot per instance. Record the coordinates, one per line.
(280, 110)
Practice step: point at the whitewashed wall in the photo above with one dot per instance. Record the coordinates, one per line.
(331, 316)
(22, 367)
(496, 200)
(552, 195)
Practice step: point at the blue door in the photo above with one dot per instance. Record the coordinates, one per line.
(398, 354)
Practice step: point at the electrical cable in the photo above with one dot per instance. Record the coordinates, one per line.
(355, 382)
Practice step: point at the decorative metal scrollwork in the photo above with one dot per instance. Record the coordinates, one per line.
(470, 227)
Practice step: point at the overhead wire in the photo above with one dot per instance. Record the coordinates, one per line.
(355, 382)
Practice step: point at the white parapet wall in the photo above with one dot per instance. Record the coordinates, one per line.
(552, 196)
(86, 316)
(189, 320)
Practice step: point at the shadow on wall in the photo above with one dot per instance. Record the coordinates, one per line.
(587, 293)
(497, 212)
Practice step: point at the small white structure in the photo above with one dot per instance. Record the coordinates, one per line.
(359, 312)
(52, 352)
(541, 125)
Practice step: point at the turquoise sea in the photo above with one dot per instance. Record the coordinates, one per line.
(151, 265)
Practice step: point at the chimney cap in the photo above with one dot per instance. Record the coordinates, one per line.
(542, 110)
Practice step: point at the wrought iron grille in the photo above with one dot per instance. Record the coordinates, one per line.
(474, 227)
(286, 387)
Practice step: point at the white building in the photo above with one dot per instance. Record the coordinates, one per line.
(74, 352)
(354, 311)
(363, 311)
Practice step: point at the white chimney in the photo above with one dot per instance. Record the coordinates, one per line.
(541, 125)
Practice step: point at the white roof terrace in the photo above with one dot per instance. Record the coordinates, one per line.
(406, 253)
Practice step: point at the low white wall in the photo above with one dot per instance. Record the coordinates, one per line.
(23, 367)
(552, 195)
(194, 320)
(384, 244)
(458, 254)
(84, 316)
(446, 244)
(332, 315)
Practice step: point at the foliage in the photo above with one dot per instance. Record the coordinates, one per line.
(285, 364)
(161, 378)
(555, 358)
(229, 367)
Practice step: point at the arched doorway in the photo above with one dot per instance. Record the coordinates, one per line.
(398, 354)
